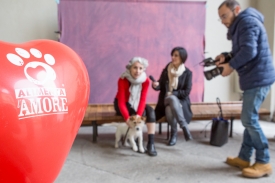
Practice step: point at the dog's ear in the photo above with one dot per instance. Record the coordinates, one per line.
(143, 118)
(132, 118)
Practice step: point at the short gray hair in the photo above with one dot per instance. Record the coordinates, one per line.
(141, 60)
(231, 4)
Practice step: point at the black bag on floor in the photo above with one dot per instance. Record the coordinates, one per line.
(219, 129)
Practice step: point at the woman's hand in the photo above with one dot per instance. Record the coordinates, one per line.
(127, 122)
(155, 84)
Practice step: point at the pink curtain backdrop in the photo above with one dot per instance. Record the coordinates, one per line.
(107, 34)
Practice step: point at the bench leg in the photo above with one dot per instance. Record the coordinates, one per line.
(94, 131)
(231, 127)
(168, 131)
(160, 131)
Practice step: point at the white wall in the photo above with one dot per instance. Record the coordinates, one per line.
(267, 8)
(25, 20)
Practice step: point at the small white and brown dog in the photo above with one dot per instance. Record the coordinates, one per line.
(132, 132)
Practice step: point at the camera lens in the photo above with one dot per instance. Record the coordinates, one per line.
(208, 75)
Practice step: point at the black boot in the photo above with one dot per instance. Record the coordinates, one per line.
(173, 137)
(151, 151)
(186, 133)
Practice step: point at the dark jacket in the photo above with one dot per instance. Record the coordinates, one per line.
(182, 92)
(250, 50)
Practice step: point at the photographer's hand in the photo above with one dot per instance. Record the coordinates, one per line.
(227, 70)
(220, 58)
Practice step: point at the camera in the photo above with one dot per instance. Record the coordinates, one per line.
(217, 70)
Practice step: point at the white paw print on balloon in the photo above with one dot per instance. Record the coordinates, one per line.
(43, 77)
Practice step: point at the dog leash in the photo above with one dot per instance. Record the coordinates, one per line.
(125, 136)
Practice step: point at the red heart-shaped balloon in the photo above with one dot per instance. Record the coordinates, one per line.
(41, 110)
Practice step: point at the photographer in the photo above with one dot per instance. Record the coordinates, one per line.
(251, 58)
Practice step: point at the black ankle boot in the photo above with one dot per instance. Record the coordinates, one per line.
(173, 139)
(151, 151)
(186, 133)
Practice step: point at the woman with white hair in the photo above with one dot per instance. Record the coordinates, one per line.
(130, 99)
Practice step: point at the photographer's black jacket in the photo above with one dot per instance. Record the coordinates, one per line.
(182, 92)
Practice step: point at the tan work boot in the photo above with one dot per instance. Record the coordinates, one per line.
(257, 170)
(237, 162)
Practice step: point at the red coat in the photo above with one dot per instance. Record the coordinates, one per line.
(123, 95)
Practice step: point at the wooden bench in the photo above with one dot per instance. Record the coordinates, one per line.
(98, 114)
